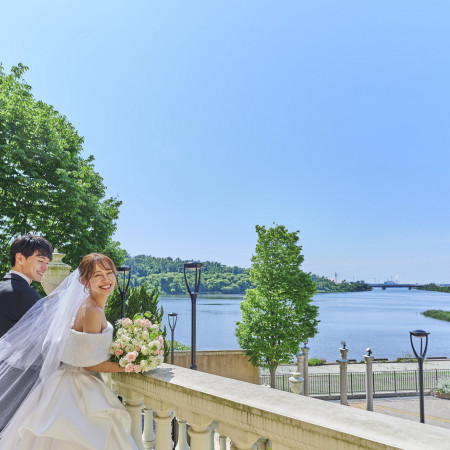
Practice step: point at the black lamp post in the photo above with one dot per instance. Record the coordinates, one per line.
(193, 266)
(420, 357)
(123, 287)
(172, 324)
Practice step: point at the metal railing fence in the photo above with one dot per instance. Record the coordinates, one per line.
(383, 381)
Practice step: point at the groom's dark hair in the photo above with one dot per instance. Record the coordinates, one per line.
(28, 245)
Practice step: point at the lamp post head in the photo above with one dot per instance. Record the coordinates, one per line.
(343, 343)
(173, 320)
(419, 333)
(193, 265)
(123, 269)
(369, 351)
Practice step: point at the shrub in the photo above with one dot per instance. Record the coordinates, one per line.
(315, 362)
(443, 386)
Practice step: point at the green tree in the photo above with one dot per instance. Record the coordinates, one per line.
(46, 186)
(277, 314)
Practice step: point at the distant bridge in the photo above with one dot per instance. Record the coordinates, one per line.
(384, 286)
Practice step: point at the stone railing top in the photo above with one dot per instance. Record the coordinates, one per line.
(295, 421)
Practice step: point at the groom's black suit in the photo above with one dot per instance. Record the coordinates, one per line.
(16, 298)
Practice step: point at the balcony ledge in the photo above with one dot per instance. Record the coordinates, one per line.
(290, 421)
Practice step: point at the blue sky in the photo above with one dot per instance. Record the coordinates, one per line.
(206, 118)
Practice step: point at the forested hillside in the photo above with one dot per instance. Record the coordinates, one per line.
(326, 285)
(166, 275)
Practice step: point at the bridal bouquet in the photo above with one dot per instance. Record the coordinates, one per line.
(138, 346)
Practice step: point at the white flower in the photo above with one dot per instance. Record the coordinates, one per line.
(154, 345)
(123, 362)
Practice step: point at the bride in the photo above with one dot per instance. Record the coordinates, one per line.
(51, 395)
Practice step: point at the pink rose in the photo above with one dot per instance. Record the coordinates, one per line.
(161, 340)
(126, 322)
(161, 353)
(148, 324)
(131, 356)
(156, 352)
(129, 368)
(118, 352)
(137, 368)
(137, 348)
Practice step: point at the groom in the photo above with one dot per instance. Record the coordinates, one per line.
(29, 256)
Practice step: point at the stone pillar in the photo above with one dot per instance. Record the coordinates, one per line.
(296, 383)
(148, 435)
(56, 273)
(305, 351)
(343, 375)
(369, 382)
(182, 436)
(134, 404)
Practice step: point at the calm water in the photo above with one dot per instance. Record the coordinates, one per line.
(377, 319)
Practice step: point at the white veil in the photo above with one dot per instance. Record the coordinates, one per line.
(31, 351)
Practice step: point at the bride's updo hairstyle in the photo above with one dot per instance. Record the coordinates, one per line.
(89, 264)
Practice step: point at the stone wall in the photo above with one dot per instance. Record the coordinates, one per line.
(226, 363)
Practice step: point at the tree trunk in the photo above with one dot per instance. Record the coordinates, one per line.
(272, 377)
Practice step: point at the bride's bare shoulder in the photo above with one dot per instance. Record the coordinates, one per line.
(89, 319)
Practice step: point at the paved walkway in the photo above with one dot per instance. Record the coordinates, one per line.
(437, 410)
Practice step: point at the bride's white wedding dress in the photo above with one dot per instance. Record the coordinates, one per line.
(73, 409)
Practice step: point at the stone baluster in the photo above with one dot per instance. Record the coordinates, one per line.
(261, 444)
(134, 403)
(200, 437)
(212, 429)
(148, 435)
(163, 425)
(305, 351)
(199, 431)
(240, 440)
(182, 436)
(222, 442)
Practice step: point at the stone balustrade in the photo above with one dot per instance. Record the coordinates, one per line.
(255, 417)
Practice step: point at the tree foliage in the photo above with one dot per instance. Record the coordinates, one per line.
(46, 186)
(434, 287)
(277, 314)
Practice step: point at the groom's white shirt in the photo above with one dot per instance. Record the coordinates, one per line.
(21, 275)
